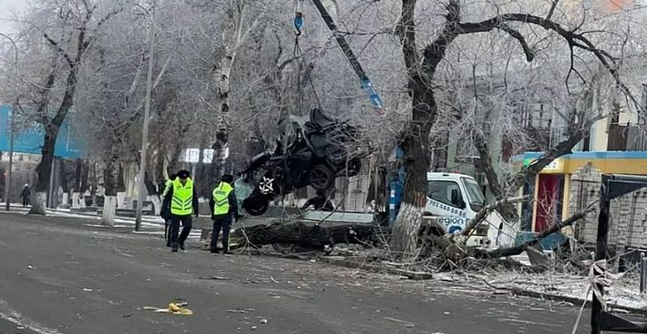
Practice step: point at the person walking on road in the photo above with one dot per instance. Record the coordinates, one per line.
(182, 201)
(25, 194)
(166, 212)
(224, 207)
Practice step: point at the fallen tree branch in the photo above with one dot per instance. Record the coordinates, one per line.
(300, 234)
(456, 253)
(497, 253)
(485, 211)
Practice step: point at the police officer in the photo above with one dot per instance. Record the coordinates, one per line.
(182, 201)
(224, 205)
(166, 211)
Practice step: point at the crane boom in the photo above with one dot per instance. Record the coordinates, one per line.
(367, 86)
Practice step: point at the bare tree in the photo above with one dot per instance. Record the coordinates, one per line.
(70, 30)
(422, 68)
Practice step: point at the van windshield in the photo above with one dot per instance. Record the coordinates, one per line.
(474, 195)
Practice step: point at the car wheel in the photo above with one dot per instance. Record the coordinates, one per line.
(321, 177)
(256, 206)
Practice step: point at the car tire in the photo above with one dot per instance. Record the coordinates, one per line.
(321, 177)
(256, 206)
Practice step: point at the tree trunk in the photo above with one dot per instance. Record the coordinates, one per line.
(39, 200)
(63, 177)
(201, 172)
(52, 128)
(95, 184)
(405, 234)
(85, 177)
(78, 171)
(151, 189)
(109, 210)
(111, 186)
(221, 146)
(76, 191)
(486, 166)
(121, 179)
(415, 143)
(44, 169)
(173, 161)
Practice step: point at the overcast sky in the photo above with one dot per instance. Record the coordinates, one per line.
(5, 7)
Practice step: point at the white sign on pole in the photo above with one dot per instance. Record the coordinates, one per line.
(192, 155)
(207, 158)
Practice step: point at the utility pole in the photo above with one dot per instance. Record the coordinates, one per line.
(13, 117)
(141, 189)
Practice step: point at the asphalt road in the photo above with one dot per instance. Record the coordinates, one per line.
(58, 276)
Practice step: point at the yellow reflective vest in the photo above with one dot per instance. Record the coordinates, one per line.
(169, 183)
(182, 201)
(221, 198)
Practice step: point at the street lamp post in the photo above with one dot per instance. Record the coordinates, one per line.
(11, 135)
(141, 189)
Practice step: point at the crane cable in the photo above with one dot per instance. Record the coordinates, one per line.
(366, 83)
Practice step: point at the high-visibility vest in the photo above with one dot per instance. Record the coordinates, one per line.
(221, 198)
(182, 202)
(169, 183)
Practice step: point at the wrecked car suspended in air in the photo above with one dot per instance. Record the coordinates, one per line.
(318, 151)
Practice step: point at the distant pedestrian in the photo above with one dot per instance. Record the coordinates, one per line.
(181, 201)
(224, 207)
(25, 195)
(166, 212)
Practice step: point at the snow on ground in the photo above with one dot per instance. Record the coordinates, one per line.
(623, 293)
(151, 224)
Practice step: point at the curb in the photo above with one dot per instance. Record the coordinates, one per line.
(573, 300)
(514, 291)
(336, 261)
(413, 275)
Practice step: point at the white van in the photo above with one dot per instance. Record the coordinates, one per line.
(453, 200)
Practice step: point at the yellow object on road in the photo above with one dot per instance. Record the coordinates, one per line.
(173, 308)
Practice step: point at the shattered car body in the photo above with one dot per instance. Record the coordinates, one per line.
(318, 151)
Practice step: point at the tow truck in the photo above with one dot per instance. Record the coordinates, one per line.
(453, 200)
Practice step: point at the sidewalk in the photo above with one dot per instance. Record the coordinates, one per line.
(623, 294)
(152, 225)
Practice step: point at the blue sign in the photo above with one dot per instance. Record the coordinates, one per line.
(30, 140)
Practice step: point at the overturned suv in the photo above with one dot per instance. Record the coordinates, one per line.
(317, 152)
